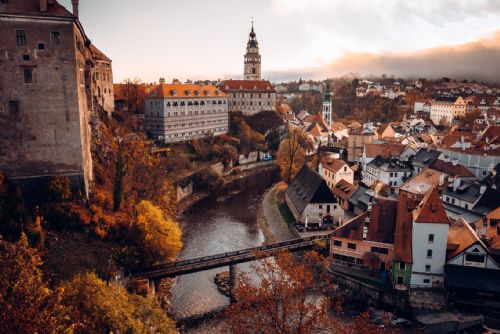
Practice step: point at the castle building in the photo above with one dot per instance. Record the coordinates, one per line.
(252, 94)
(252, 58)
(102, 79)
(327, 106)
(46, 88)
(180, 112)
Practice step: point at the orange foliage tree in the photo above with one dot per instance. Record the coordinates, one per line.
(289, 299)
(27, 305)
(291, 153)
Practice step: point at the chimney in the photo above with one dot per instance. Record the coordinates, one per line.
(75, 7)
(43, 5)
(484, 227)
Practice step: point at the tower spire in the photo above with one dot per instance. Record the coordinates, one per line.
(252, 57)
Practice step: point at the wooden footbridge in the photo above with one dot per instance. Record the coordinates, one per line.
(183, 267)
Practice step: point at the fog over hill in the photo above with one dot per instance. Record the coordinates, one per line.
(478, 60)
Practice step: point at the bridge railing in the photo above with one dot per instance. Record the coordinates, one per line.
(263, 248)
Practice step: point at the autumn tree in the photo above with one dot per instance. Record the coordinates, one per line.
(99, 307)
(287, 297)
(281, 302)
(131, 93)
(158, 240)
(291, 153)
(27, 305)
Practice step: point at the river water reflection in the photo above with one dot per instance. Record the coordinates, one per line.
(223, 222)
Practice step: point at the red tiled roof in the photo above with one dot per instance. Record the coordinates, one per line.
(247, 86)
(185, 91)
(32, 8)
(492, 232)
(344, 189)
(431, 209)
(451, 169)
(98, 54)
(460, 237)
(353, 229)
(382, 221)
(380, 227)
(403, 235)
(334, 164)
(385, 150)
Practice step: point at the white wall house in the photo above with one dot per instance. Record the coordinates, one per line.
(333, 170)
(447, 111)
(429, 242)
(392, 173)
(180, 112)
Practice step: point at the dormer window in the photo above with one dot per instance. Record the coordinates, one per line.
(173, 92)
(197, 92)
(241, 87)
(187, 92)
(254, 87)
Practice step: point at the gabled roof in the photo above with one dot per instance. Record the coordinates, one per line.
(492, 229)
(380, 225)
(260, 86)
(359, 198)
(382, 221)
(451, 169)
(338, 126)
(344, 189)
(388, 149)
(185, 91)
(353, 229)
(460, 237)
(32, 8)
(423, 181)
(308, 187)
(431, 209)
(425, 157)
(404, 228)
(333, 165)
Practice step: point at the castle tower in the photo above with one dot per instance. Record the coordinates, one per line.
(327, 106)
(252, 58)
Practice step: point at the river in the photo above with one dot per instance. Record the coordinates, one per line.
(223, 222)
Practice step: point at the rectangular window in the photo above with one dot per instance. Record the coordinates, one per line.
(427, 281)
(427, 267)
(41, 46)
(479, 258)
(13, 107)
(26, 57)
(429, 253)
(21, 37)
(431, 238)
(350, 245)
(402, 266)
(320, 207)
(55, 37)
(337, 243)
(28, 76)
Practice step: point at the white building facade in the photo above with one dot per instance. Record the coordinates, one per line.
(447, 111)
(180, 112)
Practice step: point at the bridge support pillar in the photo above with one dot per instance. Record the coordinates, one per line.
(152, 288)
(233, 276)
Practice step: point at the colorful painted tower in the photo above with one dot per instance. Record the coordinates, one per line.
(252, 58)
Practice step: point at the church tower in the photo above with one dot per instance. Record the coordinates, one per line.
(327, 106)
(252, 58)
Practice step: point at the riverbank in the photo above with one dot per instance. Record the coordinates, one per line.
(271, 221)
(237, 174)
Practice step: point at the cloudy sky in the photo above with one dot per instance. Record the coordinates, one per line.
(298, 38)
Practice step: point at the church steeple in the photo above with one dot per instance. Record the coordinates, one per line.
(252, 58)
(327, 105)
